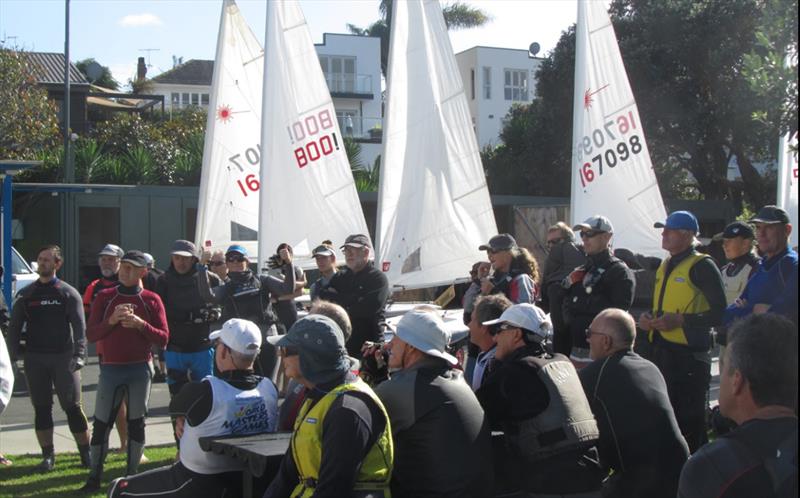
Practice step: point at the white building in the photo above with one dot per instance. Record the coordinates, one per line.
(494, 80)
(351, 65)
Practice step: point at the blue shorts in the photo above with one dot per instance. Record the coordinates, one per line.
(196, 365)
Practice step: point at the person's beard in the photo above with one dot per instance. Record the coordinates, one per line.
(107, 272)
(46, 274)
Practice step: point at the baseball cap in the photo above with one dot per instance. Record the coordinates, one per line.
(111, 250)
(237, 248)
(500, 242)
(357, 240)
(148, 258)
(680, 220)
(770, 215)
(320, 344)
(183, 248)
(738, 229)
(242, 336)
(528, 317)
(322, 250)
(597, 222)
(134, 257)
(427, 332)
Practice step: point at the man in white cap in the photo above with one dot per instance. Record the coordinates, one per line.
(235, 402)
(603, 282)
(537, 400)
(325, 257)
(441, 436)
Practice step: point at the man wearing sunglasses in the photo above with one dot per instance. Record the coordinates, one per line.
(639, 437)
(688, 300)
(342, 442)
(247, 295)
(603, 282)
(536, 399)
(235, 402)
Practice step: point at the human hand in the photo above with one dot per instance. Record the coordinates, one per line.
(646, 321)
(667, 321)
(133, 321)
(740, 303)
(760, 308)
(119, 313)
(205, 256)
(486, 285)
(180, 422)
(76, 363)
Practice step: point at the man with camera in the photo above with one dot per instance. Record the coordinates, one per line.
(189, 354)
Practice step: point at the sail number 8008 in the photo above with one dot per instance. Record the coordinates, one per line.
(307, 128)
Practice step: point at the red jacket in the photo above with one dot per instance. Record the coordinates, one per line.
(126, 345)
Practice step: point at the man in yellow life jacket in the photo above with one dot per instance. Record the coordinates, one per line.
(688, 301)
(342, 443)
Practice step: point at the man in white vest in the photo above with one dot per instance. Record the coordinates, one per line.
(236, 402)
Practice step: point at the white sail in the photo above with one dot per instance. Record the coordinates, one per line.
(787, 181)
(308, 193)
(611, 170)
(433, 207)
(227, 211)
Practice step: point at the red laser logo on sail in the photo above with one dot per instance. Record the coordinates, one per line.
(224, 113)
(587, 97)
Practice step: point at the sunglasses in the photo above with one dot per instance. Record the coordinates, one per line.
(588, 234)
(216, 263)
(234, 258)
(589, 333)
(507, 326)
(288, 351)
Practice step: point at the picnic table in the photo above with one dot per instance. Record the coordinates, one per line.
(261, 455)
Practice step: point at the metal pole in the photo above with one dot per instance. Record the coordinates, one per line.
(7, 267)
(69, 170)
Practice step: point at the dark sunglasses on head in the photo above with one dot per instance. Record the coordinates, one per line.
(216, 263)
(588, 234)
(234, 258)
(288, 351)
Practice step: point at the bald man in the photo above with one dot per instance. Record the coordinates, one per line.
(639, 436)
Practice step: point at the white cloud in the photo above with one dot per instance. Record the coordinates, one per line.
(137, 20)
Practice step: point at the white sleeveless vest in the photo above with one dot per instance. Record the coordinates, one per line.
(233, 412)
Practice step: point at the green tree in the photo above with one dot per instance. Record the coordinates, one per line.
(684, 60)
(28, 120)
(105, 80)
(457, 15)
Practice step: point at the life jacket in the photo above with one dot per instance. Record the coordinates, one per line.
(566, 424)
(677, 294)
(247, 299)
(735, 283)
(375, 471)
(234, 411)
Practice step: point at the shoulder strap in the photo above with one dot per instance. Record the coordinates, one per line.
(782, 465)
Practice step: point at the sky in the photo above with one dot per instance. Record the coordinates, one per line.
(117, 32)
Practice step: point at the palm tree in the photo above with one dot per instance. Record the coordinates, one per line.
(457, 15)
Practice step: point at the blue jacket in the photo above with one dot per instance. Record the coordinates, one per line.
(774, 283)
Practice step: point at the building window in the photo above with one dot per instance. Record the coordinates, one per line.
(204, 99)
(340, 73)
(487, 83)
(516, 85)
(472, 83)
(175, 99)
(195, 99)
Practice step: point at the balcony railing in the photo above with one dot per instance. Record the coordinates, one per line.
(349, 83)
(361, 127)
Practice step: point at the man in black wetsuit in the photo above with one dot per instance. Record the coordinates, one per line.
(213, 407)
(55, 352)
(362, 290)
(758, 391)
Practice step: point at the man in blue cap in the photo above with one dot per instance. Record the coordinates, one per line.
(247, 295)
(688, 300)
(342, 437)
(773, 288)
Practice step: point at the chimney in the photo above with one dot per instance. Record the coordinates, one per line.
(141, 70)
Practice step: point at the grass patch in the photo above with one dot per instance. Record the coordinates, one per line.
(20, 480)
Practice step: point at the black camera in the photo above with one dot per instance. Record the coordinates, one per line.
(207, 314)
